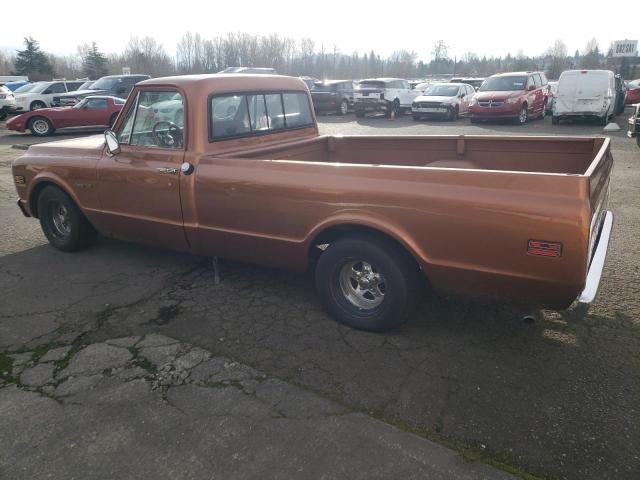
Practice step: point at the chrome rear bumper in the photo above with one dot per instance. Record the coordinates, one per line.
(597, 262)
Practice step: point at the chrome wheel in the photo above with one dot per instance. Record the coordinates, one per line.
(60, 219)
(40, 126)
(523, 115)
(362, 285)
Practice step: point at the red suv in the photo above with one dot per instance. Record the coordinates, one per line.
(516, 95)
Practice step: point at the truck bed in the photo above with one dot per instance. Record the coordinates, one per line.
(568, 155)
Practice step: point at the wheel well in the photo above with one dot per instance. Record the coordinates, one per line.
(323, 239)
(34, 118)
(34, 102)
(33, 199)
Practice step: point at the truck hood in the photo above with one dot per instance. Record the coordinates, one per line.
(74, 147)
(486, 96)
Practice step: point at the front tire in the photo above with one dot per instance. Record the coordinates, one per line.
(62, 222)
(343, 109)
(41, 126)
(523, 116)
(367, 284)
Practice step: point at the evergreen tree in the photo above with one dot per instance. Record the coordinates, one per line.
(32, 61)
(94, 63)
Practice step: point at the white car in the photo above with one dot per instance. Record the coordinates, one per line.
(388, 95)
(585, 93)
(448, 100)
(7, 102)
(41, 94)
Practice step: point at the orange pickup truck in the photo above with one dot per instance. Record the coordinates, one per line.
(233, 166)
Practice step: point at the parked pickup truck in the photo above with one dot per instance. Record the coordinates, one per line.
(246, 176)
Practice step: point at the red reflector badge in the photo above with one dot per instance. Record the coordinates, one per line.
(545, 249)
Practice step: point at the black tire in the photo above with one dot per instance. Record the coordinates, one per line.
(555, 120)
(400, 280)
(453, 114)
(343, 108)
(360, 113)
(62, 222)
(41, 126)
(37, 105)
(543, 113)
(112, 120)
(524, 115)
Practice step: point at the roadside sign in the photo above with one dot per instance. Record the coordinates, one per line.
(625, 48)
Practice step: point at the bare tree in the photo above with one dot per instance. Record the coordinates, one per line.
(557, 59)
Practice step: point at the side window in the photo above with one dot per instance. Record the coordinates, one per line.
(296, 109)
(96, 103)
(157, 120)
(543, 77)
(55, 88)
(537, 81)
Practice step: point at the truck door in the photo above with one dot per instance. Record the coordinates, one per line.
(139, 187)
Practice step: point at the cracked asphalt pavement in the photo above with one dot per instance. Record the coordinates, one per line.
(557, 399)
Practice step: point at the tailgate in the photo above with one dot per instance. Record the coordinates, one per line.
(599, 173)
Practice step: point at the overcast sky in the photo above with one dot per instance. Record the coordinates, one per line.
(485, 27)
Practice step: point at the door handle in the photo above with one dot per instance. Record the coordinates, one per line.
(170, 171)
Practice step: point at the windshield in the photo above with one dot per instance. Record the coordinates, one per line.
(371, 84)
(323, 87)
(503, 84)
(105, 83)
(86, 85)
(39, 87)
(26, 88)
(81, 103)
(441, 91)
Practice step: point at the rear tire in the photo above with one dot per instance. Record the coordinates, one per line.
(62, 222)
(37, 105)
(41, 126)
(367, 283)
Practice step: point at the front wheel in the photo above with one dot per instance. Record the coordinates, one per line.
(343, 109)
(524, 115)
(41, 126)
(62, 222)
(367, 284)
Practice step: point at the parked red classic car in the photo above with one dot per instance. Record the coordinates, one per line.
(517, 96)
(92, 111)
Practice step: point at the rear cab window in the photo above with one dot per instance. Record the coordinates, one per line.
(234, 115)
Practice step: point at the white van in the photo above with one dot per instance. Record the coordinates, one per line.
(585, 93)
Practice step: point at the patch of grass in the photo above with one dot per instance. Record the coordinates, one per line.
(145, 364)
(64, 362)
(6, 365)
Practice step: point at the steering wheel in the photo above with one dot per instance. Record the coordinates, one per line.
(171, 136)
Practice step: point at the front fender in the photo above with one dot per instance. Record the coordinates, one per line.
(40, 181)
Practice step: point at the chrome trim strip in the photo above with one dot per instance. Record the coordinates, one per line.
(597, 263)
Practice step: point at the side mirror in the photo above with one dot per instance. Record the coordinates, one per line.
(113, 145)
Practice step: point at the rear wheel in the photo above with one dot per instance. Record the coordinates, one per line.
(62, 222)
(40, 126)
(368, 284)
(37, 105)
